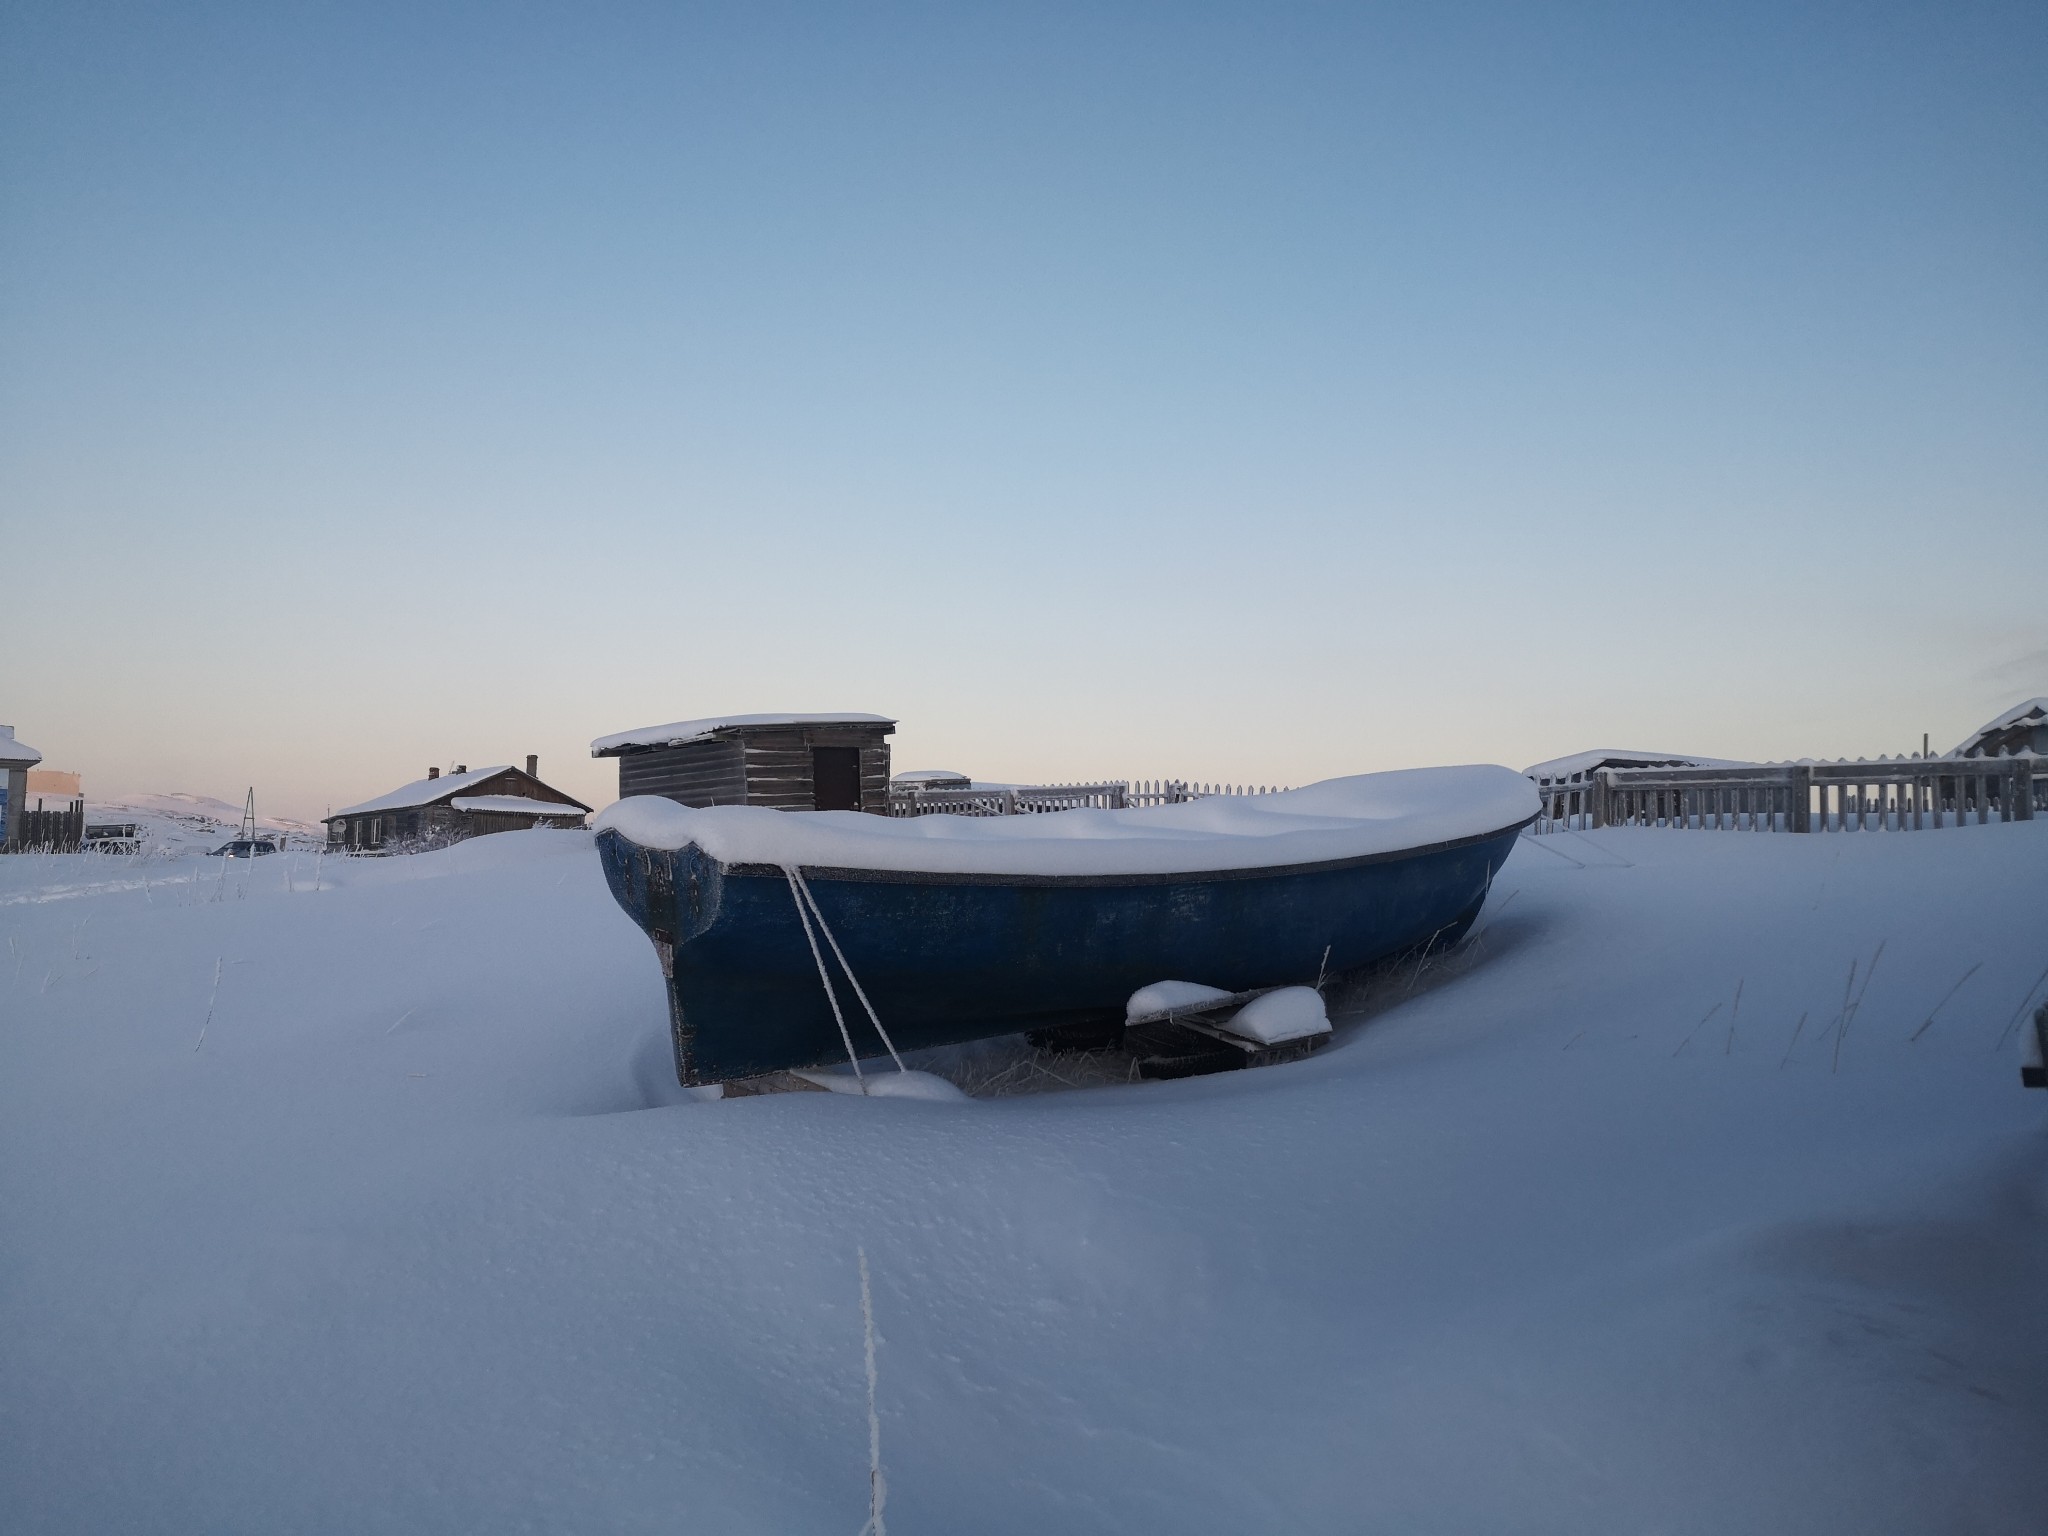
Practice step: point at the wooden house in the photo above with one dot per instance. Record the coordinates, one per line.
(2023, 728)
(1580, 767)
(787, 762)
(446, 808)
(16, 758)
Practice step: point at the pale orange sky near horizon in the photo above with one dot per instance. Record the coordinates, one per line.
(921, 744)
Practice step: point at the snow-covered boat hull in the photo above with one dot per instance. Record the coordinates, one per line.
(953, 957)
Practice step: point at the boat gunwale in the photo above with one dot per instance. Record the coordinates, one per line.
(863, 873)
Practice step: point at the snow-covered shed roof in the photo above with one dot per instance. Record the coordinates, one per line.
(432, 791)
(681, 732)
(16, 754)
(930, 776)
(515, 805)
(1618, 757)
(1985, 737)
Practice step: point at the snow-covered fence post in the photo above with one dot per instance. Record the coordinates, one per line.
(1801, 807)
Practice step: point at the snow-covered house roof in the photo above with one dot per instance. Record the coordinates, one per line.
(516, 805)
(2017, 730)
(679, 733)
(422, 792)
(16, 754)
(1616, 757)
(432, 791)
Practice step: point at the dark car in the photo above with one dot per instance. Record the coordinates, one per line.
(245, 848)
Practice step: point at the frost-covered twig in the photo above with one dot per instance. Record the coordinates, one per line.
(1951, 992)
(1598, 847)
(210, 1001)
(1491, 917)
(1423, 958)
(2014, 1022)
(1697, 1027)
(1796, 1028)
(1729, 1048)
(1847, 987)
(1041, 1067)
(1849, 1012)
(1545, 846)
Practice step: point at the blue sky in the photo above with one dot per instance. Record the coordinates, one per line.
(1253, 393)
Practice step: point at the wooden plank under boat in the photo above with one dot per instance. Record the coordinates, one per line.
(968, 948)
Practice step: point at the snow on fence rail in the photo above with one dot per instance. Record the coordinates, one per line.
(1031, 799)
(1890, 794)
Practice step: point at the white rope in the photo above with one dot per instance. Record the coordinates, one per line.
(831, 996)
(804, 886)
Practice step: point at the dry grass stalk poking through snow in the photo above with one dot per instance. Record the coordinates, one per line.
(212, 998)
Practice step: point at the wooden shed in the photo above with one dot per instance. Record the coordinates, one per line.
(446, 808)
(786, 762)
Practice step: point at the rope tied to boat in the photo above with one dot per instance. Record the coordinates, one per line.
(800, 893)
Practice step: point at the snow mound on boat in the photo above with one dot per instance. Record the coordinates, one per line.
(1371, 813)
(1164, 996)
(1287, 1013)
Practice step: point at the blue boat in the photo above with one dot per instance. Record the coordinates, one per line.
(1048, 925)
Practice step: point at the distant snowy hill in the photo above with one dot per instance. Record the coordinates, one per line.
(177, 822)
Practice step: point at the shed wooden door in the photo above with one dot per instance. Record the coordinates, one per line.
(835, 778)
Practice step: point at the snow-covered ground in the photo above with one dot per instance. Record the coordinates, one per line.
(357, 1196)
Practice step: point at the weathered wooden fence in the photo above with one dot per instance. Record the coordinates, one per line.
(1888, 795)
(1031, 799)
(57, 831)
(1175, 791)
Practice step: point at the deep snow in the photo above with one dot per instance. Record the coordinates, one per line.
(405, 1226)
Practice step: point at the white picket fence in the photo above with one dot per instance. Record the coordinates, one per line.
(1032, 799)
(1899, 794)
